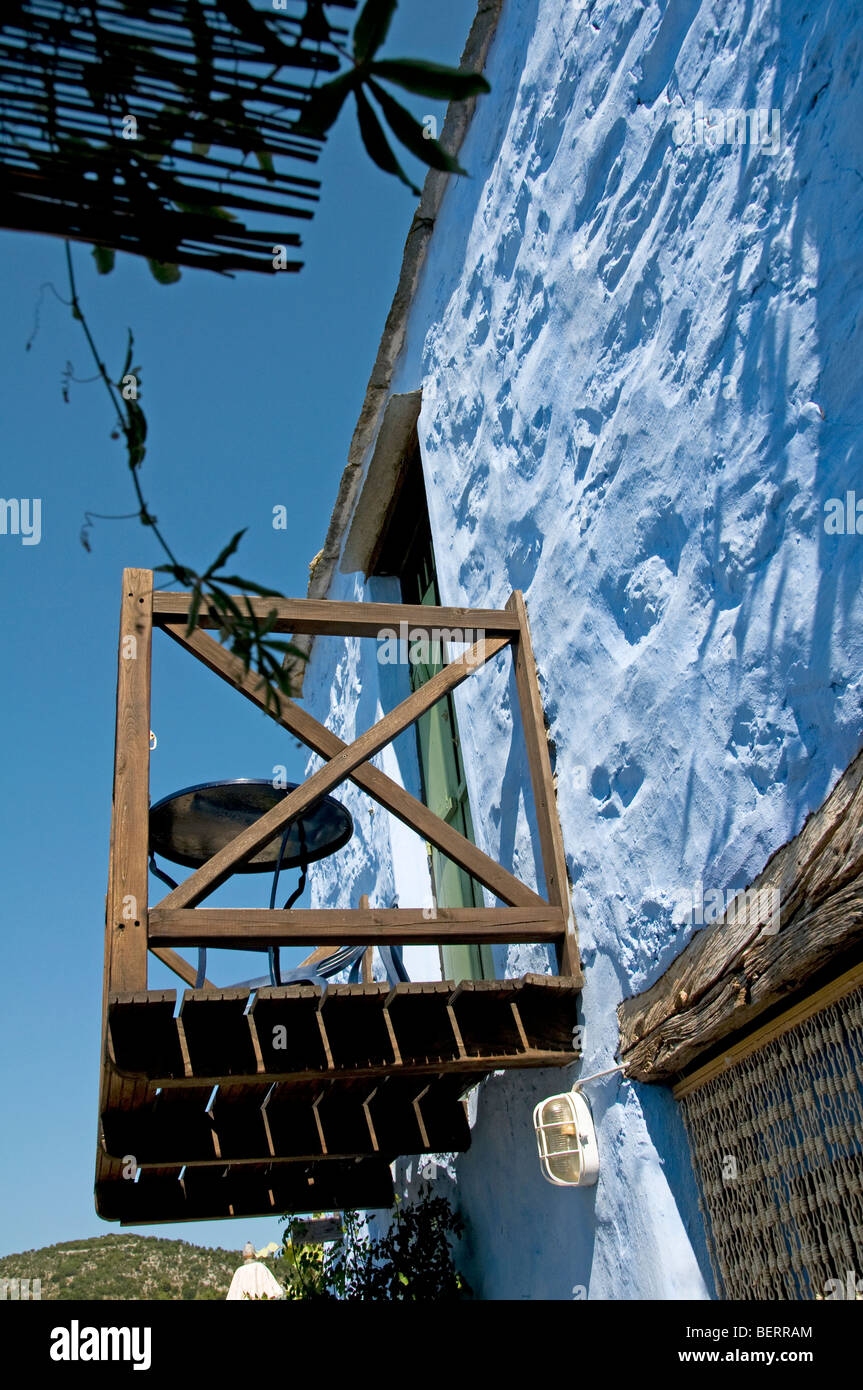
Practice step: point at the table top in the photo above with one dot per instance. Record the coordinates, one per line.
(190, 826)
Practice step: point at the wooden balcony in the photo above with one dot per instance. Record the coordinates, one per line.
(257, 1102)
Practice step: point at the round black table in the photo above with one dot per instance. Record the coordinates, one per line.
(190, 826)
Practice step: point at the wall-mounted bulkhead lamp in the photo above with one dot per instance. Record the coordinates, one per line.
(566, 1139)
(566, 1136)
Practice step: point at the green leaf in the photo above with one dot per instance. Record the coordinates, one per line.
(104, 256)
(431, 79)
(324, 105)
(194, 607)
(179, 572)
(129, 350)
(265, 160)
(288, 648)
(230, 631)
(407, 129)
(228, 551)
(372, 27)
(225, 604)
(254, 625)
(376, 143)
(135, 431)
(164, 272)
(248, 584)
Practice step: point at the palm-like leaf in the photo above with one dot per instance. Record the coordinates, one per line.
(376, 143)
(409, 131)
(430, 79)
(372, 28)
(323, 106)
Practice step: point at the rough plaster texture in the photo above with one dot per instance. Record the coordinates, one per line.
(641, 369)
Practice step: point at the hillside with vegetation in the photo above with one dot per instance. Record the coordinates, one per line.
(125, 1266)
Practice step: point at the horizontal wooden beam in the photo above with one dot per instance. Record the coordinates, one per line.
(329, 617)
(376, 784)
(243, 846)
(475, 1067)
(804, 1009)
(266, 1190)
(732, 971)
(258, 928)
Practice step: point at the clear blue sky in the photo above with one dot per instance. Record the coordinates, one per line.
(252, 387)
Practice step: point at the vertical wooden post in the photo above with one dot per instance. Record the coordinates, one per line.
(367, 977)
(126, 919)
(542, 781)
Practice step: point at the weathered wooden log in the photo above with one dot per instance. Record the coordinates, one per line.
(731, 972)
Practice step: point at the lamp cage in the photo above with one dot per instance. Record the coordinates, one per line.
(566, 1139)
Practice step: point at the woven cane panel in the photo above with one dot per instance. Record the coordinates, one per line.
(777, 1145)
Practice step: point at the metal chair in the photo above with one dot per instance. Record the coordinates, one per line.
(318, 972)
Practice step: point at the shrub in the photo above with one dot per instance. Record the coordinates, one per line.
(412, 1261)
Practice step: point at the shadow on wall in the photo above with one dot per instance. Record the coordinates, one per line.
(662, 1117)
(527, 1239)
(817, 124)
(524, 1239)
(504, 68)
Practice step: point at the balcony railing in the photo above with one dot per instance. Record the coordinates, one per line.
(317, 1090)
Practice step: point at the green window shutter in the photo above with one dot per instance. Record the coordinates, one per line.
(444, 786)
(405, 550)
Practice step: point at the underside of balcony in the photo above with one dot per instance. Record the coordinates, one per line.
(294, 1098)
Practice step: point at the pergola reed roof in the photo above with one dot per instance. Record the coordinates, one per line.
(216, 92)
